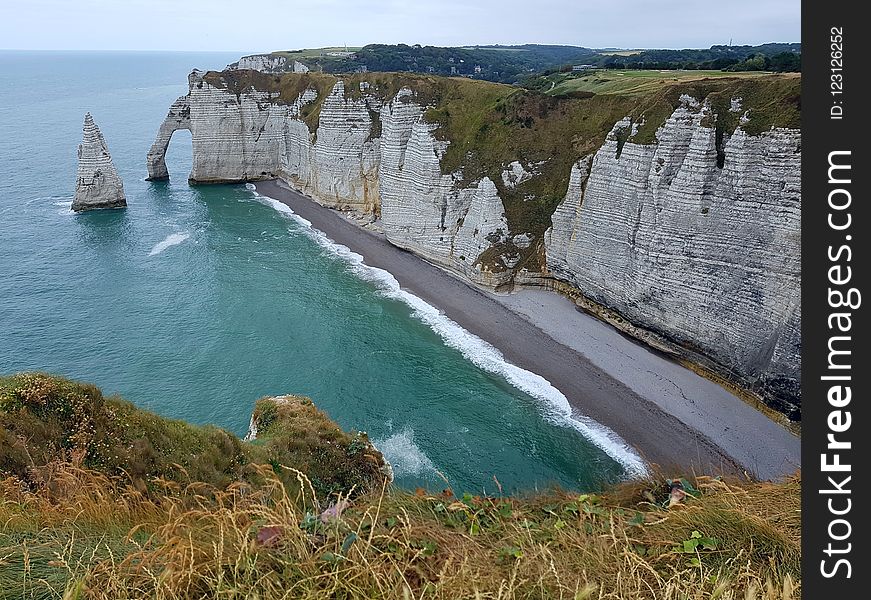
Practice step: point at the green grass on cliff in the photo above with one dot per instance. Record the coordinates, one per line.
(627, 82)
(78, 526)
(292, 431)
(44, 420)
(314, 52)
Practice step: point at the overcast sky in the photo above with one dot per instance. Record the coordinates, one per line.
(264, 25)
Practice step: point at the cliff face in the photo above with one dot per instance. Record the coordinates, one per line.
(690, 229)
(395, 175)
(709, 255)
(268, 63)
(339, 167)
(97, 182)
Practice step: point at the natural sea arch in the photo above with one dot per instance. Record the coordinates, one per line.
(179, 155)
(179, 117)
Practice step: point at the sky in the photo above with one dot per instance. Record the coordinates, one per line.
(266, 25)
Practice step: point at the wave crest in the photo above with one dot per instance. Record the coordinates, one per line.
(173, 239)
(405, 456)
(553, 403)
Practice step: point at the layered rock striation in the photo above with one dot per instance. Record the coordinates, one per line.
(268, 63)
(691, 232)
(97, 182)
(179, 117)
(234, 140)
(708, 255)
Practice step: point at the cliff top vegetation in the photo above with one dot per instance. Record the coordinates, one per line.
(44, 420)
(203, 515)
(627, 82)
(513, 64)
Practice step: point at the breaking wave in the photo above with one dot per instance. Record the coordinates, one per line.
(173, 239)
(554, 404)
(405, 457)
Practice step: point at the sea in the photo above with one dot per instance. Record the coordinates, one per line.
(195, 301)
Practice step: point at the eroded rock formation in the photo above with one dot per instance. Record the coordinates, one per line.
(694, 236)
(710, 256)
(97, 182)
(268, 63)
(179, 117)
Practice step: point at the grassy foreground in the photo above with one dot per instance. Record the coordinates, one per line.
(75, 528)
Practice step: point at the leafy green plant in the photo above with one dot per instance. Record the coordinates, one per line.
(694, 544)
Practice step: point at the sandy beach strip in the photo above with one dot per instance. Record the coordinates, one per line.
(672, 417)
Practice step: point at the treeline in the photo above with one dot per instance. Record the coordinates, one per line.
(766, 57)
(514, 64)
(505, 64)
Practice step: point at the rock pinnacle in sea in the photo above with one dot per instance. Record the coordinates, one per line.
(97, 182)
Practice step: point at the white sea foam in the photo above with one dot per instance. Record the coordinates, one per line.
(554, 404)
(173, 239)
(405, 457)
(64, 203)
(65, 207)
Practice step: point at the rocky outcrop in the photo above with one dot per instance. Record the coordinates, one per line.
(421, 208)
(708, 255)
(97, 182)
(349, 459)
(268, 63)
(343, 164)
(289, 430)
(342, 172)
(234, 138)
(431, 213)
(694, 237)
(179, 117)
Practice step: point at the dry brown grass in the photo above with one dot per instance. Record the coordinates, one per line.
(96, 537)
(87, 512)
(47, 420)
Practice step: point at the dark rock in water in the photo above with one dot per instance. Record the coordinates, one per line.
(97, 182)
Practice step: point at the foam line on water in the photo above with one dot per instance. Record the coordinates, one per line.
(555, 405)
(66, 207)
(173, 239)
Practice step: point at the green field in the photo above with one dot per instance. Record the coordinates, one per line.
(630, 83)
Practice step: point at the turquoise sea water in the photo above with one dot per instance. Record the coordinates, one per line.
(195, 301)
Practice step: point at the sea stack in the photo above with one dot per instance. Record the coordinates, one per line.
(97, 182)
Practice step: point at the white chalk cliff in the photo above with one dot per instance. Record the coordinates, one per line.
(709, 256)
(97, 182)
(268, 63)
(695, 236)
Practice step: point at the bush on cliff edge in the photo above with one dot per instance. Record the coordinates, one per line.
(46, 420)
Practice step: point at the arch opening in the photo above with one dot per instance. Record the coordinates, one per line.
(179, 154)
(179, 117)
